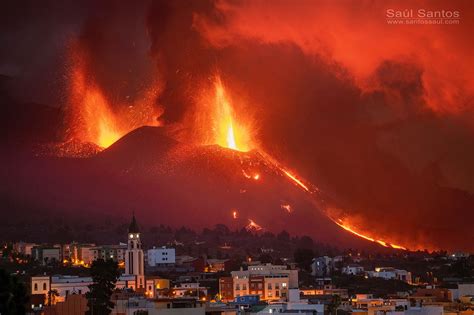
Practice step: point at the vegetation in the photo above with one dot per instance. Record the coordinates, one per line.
(13, 295)
(105, 274)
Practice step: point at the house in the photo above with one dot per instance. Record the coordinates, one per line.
(322, 266)
(269, 282)
(46, 254)
(161, 256)
(353, 269)
(390, 273)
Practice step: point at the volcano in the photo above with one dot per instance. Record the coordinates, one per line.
(173, 183)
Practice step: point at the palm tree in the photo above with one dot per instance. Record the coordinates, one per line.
(52, 294)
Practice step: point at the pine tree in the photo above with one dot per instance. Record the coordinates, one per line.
(104, 275)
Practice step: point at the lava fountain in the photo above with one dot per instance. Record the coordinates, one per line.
(93, 118)
(228, 132)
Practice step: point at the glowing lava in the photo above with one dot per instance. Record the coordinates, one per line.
(228, 132)
(286, 207)
(295, 180)
(252, 226)
(350, 229)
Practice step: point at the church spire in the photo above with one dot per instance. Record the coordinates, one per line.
(133, 227)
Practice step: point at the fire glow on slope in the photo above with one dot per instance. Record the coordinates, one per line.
(226, 135)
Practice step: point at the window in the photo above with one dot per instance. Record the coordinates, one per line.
(237, 287)
(36, 287)
(269, 286)
(244, 287)
(260, 285)
(44, 286)
(277, 286)
(277, 293)
(80, 291)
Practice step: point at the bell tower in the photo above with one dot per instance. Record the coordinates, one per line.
(134, 259)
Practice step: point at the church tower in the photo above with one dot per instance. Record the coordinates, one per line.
(134, 255)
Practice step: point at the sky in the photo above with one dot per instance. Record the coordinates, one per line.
(380, 116)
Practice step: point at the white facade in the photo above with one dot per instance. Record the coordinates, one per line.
(46, 255)
(391, 273)
(352, 270)
(161, 256)
(294, 306)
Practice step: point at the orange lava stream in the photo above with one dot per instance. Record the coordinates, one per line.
(350, 229)
(295, 180)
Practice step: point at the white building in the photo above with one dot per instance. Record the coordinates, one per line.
(46, 255)
(389, 273)
(322, 266)
(191, 290)
(352, 269)
(161, 256)
(295, 305)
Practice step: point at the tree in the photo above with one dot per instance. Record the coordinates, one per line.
(334, 304)
(13, 294)
(283, 236)
(105, 274)
(52, 294)
(265, 258)
(304, 257)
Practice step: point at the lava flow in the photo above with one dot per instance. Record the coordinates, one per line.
(348, 228)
